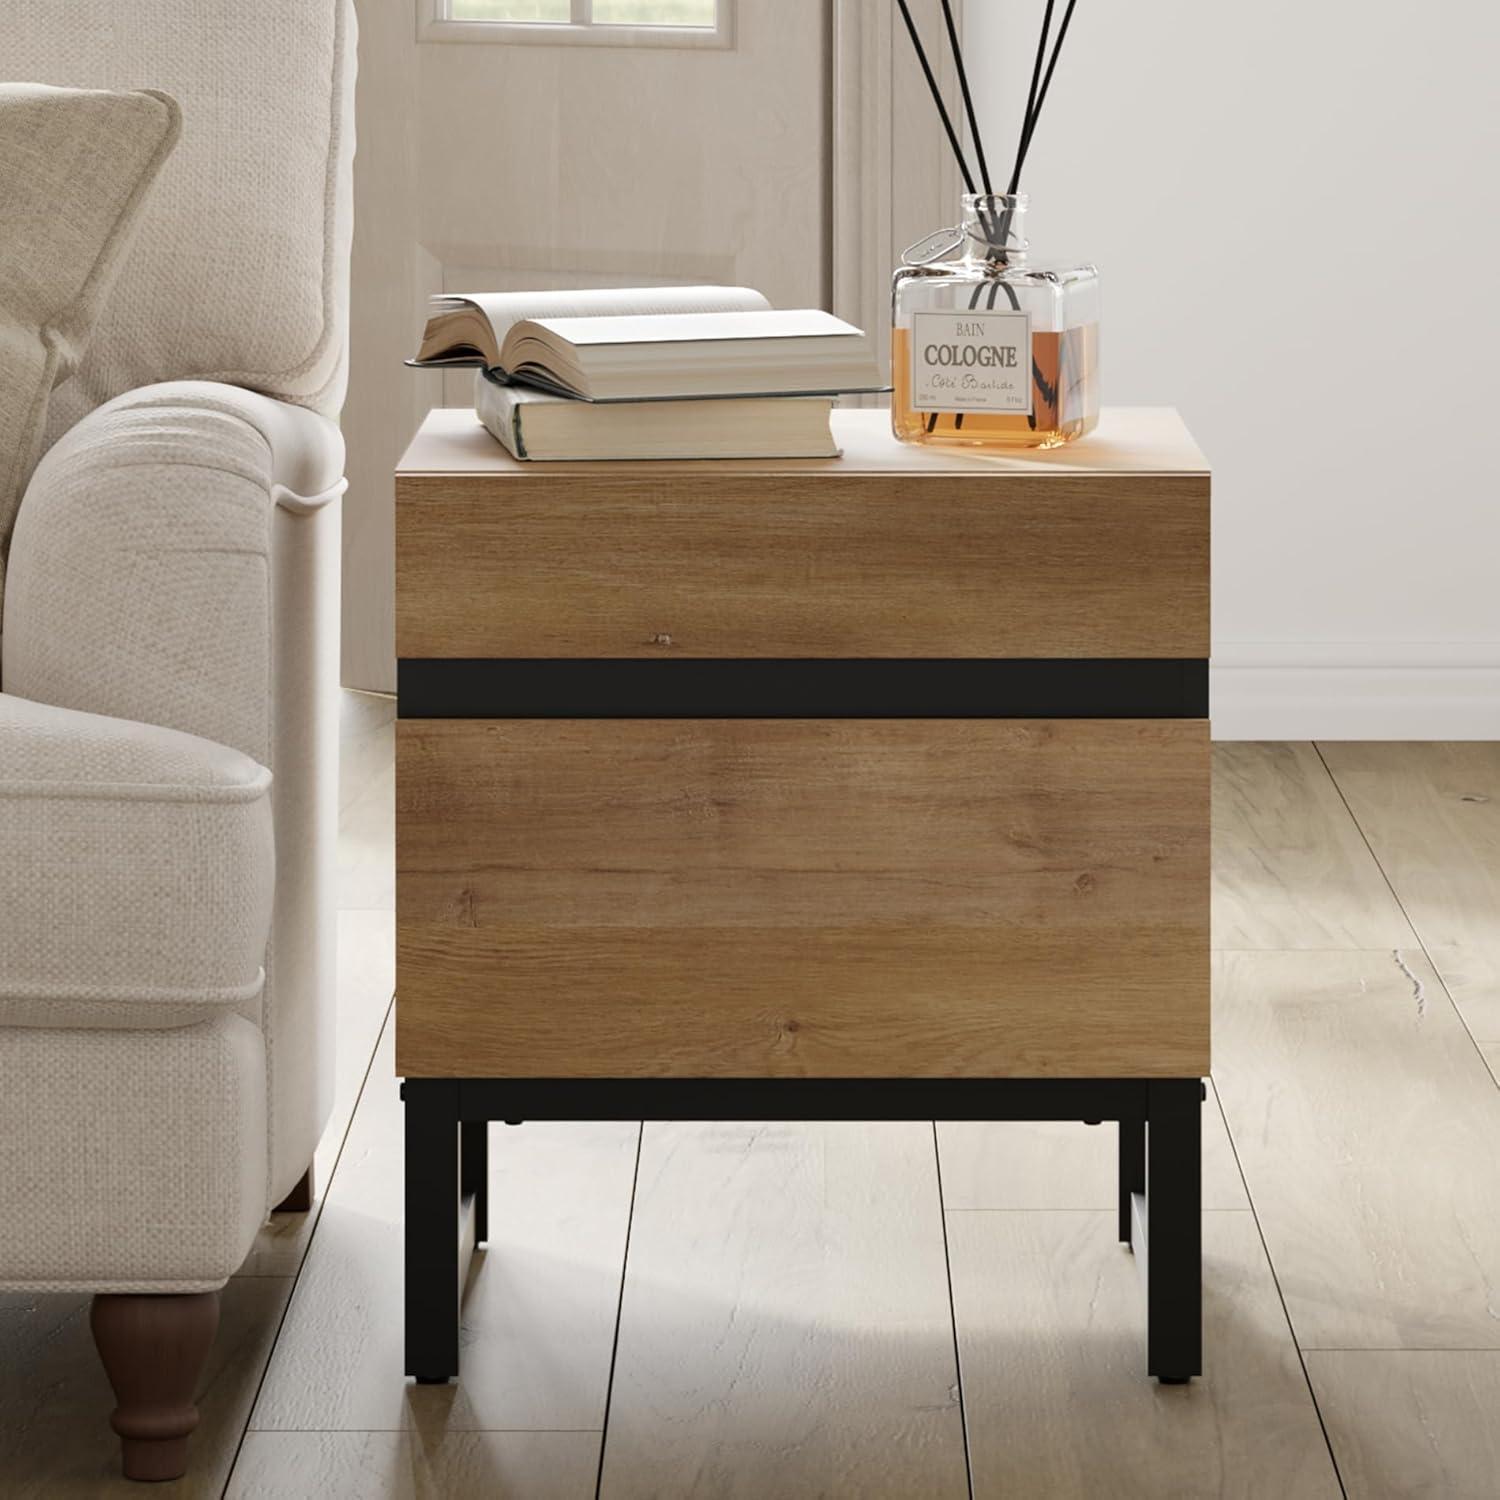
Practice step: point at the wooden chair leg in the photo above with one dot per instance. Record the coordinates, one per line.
(154, 1348)
(300, 1199)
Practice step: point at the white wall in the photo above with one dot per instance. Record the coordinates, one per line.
(1295, 208)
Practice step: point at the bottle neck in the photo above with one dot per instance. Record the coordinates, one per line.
(992, 225)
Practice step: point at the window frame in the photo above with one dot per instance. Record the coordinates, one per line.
(435, 23)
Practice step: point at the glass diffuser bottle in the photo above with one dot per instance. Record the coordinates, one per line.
(989, 349)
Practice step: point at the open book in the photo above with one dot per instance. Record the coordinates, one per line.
(469, 329)
(650, 343)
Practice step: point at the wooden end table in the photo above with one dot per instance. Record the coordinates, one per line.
(869, 788)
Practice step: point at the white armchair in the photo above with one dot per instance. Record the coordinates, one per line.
(168, 667)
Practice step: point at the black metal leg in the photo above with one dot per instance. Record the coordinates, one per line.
(1132, 1171)
(434, 1250)
(1174, 1230)
(474, 1170)
(1160, 1171)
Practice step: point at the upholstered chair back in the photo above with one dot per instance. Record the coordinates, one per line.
(239, 271)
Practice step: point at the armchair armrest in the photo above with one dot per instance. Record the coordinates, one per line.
(144, 575)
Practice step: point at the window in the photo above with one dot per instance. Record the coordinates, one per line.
(663, 23)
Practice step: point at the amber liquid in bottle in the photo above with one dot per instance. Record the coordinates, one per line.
(1062, 366)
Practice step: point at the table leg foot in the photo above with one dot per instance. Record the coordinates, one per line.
(1174, 1230)
(434, 1242)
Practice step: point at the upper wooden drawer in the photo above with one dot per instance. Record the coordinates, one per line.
(892, 551)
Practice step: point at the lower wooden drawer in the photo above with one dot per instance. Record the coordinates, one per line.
(800, 897)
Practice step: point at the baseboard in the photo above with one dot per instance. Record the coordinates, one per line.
(1356, 691)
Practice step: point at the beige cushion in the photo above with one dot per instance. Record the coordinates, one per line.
(240, 272)
(136, 872)
(75, 168)
(130, 1161)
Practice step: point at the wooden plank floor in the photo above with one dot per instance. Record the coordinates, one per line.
(921, 1310)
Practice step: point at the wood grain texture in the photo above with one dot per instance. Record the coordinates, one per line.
(785, 1327)
(154, 1348)
(1432, 815)
(879, 554)
(431, 1465)
(1291, 868)
(1408, 1425)
(802, 898)
(1049, 1329)
(1063, 1164)
(539, 1316)
(1365, 1121)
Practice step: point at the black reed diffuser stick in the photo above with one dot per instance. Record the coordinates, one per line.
(963, 84)
(1036, 80)
(1041, 97)
(937, 96)
(1041, 81)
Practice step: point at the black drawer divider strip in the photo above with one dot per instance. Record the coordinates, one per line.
(802, 688)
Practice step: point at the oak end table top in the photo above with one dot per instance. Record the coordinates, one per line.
(1129, 440)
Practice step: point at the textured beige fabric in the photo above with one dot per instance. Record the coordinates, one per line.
(76, 166)
(240, 269)
(136, 871)
(176, 562)
(130, 1160)
(141, 579)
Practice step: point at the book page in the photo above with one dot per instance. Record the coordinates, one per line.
(675, 326)
(506, 309)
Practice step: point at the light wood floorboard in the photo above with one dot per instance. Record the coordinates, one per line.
(1291, 869)
(539, 1316)
(1366, 1124)
(367, 802)
(1490, 1051)
(416, 1466)
(785, 1327)
(1050, 1323)
(1409, 1425)
(366, 978)
(1017, 1164)
(1432, 815)
(55, 1438)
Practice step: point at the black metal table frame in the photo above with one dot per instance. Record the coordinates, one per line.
(1160, 1170)
(447, 1119)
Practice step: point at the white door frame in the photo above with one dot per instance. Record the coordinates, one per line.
(893, 175)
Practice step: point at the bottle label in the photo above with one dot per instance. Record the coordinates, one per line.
(971, 361)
